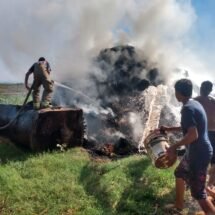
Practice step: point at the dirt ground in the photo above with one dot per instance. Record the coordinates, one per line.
(191, 205)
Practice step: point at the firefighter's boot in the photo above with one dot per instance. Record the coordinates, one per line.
(45, 105)
(36, 106)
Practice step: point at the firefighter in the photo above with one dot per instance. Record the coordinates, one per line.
(41, 73)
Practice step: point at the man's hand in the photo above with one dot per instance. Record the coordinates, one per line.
(30, 71)
(164, 129)
(27, 87)
(171, 151)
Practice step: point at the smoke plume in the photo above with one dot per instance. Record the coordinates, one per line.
(69, 33)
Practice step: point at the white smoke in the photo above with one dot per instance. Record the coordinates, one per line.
(70, 32)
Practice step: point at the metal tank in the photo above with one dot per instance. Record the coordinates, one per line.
(44, 129)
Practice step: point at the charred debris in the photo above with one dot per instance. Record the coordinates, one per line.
(117, 83)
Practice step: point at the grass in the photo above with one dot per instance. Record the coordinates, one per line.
(12, 94)
(74, 183)
(13, 99)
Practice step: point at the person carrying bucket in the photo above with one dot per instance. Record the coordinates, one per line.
(192, 169)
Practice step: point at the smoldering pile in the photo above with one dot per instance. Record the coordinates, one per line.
(113, 99)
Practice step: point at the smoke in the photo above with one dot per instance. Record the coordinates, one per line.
(69, 33)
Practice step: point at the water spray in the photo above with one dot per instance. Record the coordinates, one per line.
(104, 109)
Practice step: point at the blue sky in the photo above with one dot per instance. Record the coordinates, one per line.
(204, 29)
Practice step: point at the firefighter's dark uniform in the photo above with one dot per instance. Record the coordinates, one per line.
(41, 71)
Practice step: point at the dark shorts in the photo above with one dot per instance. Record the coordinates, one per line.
(195, 179)
(211, 135)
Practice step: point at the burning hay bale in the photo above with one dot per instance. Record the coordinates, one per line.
(117, 104)
(123, 71)
(43, 129)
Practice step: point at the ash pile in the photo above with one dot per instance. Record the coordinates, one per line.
(123, 98)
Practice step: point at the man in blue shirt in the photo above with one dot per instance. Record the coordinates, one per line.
(192, 169)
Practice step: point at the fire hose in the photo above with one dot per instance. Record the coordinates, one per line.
(21, 109)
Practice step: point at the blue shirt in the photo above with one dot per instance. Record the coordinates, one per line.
(200, 151)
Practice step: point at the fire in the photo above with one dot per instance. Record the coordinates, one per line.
(128, 98)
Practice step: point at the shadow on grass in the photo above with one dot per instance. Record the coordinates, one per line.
(9, 152)
(90, 179)
(141, 197)
(131, 196)
(138, 197)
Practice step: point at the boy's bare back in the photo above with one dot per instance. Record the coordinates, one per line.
(209, 105)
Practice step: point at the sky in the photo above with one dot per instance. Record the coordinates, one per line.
(204, 29)
(69, 33)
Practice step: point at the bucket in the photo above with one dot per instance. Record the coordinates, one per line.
(156, 144)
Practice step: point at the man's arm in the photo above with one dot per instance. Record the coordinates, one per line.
(48, 67)
(30, 71)
(190, 137)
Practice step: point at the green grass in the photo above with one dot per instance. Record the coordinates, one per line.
(74, 183)
(12, 94)
(12, 99)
